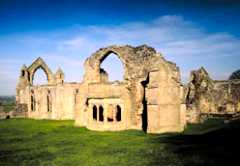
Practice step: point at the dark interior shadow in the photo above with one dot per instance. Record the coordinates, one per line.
(144, 102)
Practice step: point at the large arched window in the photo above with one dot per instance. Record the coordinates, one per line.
(101, 116)
(40, 77)
(118, 115)
(94, 112)
(113, 67)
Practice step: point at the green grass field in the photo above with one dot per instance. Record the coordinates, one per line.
(45, 142)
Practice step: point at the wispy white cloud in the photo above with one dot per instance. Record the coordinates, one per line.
(183, 42)
(171, 35)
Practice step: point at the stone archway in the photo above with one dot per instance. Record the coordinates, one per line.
(92, 65)
(37, 64)
(39, 77)
(111, 68)
(107, 53)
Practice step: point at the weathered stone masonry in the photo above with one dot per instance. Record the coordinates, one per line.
(150, 97)
(206, 97)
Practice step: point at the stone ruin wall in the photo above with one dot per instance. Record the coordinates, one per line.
(206, 97)
(52, 101)
(147, 76)
(55, 100)
(149, 98)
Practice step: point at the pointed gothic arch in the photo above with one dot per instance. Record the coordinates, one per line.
(112, 66)
(37, 64)
(39, 77)
(111, 52)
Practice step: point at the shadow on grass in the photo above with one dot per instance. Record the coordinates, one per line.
(21, 155)
(218, 147)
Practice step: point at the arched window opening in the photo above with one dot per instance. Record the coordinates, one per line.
(110, 113)
(118, 115)
(39, 77)
(101, 117)
(75, 98)
(23, 73)
(94, 112)
(33, 103)
(145, 84)
(113, 67)
(28, 76)
(49, 101)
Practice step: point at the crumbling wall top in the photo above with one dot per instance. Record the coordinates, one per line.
(39, 63)
(137, 62)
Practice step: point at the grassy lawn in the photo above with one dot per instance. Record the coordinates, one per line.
(45, 142)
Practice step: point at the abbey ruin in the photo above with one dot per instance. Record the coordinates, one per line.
(151, 97)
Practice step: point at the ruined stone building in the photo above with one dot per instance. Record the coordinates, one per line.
(151, 96)
(206, 97)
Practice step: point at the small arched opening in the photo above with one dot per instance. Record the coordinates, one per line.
(23, 73)
(119, 114)
(75, 96)
(49, 101)
(101, 116)
(33, 103)
(29, 78)
(110, 113)
(94, 112)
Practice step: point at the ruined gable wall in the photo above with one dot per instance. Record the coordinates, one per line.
(56, 100)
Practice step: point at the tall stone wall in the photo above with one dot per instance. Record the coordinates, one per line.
(52, 102)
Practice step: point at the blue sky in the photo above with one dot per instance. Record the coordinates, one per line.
(189, 33)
